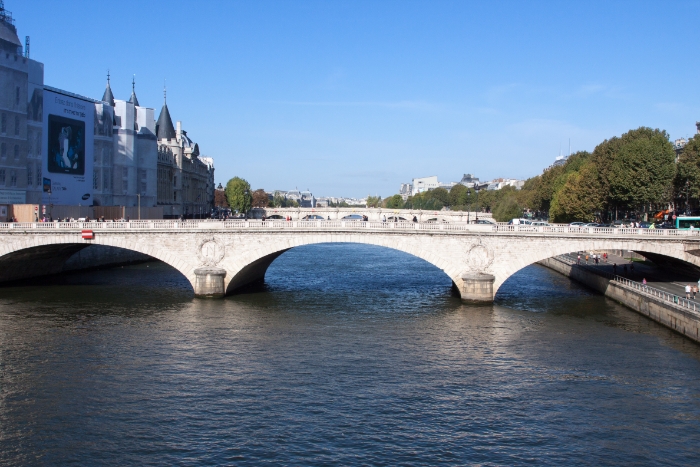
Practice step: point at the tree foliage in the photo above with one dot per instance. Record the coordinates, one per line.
(374, 201)
(508, 208)
(260, 199)
(220, 199)
(394, 202)
(688, 171)
(238, 194)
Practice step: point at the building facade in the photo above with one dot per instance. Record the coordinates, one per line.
(131, 163)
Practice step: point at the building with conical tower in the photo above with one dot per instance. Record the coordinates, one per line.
(185, 179)
(57, 147)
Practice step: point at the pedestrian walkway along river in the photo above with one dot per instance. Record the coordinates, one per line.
(339, 360)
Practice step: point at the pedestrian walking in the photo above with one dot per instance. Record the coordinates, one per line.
(605, 257)
(644, 281)
(687, 291)
(595, 258)
(695, 291)
(587, 261)
(578, 261)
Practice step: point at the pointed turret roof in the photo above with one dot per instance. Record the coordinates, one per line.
(133, 98)
(164, 125)
(108, 97)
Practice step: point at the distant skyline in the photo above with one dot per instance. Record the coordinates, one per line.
(350, 98)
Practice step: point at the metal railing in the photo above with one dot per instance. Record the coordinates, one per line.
(281, 224)
(645, 289)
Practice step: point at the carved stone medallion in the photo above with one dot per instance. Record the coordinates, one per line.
(211, 251)
(479, 257)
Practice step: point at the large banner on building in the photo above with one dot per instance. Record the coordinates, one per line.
(67, 152)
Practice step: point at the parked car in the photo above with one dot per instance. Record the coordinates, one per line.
(520, 222)
(576, 224)
(484, 221)
(645, 225)
(540, 224)
(591, 224)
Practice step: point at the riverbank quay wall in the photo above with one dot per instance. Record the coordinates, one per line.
(677, 317)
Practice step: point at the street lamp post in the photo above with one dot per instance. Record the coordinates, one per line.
(469, 206)
(476, 189)
(139, 210)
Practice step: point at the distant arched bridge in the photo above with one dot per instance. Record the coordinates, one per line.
(219, 257)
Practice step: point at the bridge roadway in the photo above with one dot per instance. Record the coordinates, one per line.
(220, 257)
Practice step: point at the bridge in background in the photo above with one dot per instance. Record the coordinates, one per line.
(373, 214)
(219, 257)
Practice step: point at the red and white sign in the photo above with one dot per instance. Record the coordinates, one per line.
(88, 235)
(36, 208)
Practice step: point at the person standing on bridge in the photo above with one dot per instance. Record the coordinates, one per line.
(578, 259)
(383, 217)
(586, 258)
(687, 291)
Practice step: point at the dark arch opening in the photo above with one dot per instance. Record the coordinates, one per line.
(252, 277)
(56, 259)
(663, 272)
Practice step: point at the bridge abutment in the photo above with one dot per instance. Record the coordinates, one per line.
(209, 283)
(477, 288)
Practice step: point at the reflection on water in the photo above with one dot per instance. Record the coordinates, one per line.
(351, 355)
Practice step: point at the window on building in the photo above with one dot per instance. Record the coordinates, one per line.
(2, 176)
(125, 180)
(16, 152)
(16, 125)
(17, 95)
(175, 180)
(3, 123)
(13, 178)
(38, 174)
(30, 175)
(106, 180)
(37, 145)
(174, 194)
(95, 179)
(3, 150)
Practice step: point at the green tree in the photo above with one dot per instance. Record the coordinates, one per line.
(508, 208)
(395, 202)
(278, 200)
(642, 170)
(238, 194)
(439, 194)
(458, 195)
(688, 171)
(374, 201)
(579, 198)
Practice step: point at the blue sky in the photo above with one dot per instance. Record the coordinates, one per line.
(349, 98)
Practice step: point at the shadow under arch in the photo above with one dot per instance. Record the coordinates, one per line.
(252, 276)
(673, 265)
(61, 258)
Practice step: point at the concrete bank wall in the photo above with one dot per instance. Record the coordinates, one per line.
(679, 319)
(99, 256)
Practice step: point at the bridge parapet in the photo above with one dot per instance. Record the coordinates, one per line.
(343, 225)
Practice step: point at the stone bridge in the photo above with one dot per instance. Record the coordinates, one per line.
(220, 257)
(373, 214)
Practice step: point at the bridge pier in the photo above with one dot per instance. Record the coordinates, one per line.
(477, 287)
(209, 283)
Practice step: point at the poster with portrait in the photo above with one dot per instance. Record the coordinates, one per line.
(66, 145)
(67, 149)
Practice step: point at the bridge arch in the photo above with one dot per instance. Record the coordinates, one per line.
(44, 255)
(514, 260)
(251, 268)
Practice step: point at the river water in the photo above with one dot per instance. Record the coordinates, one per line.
(351, 355)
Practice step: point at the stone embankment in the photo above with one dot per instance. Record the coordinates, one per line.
(674, 312)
